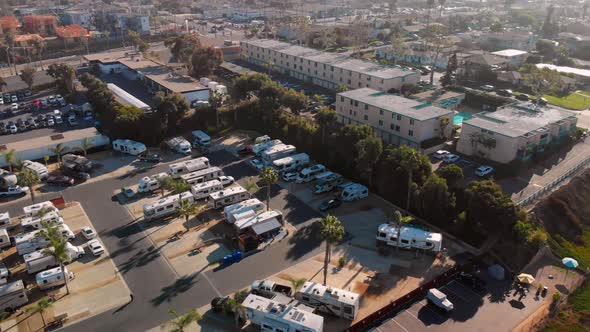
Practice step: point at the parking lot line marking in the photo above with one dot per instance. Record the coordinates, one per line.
(467, 288)
(400, 325)
(411, 314)
(211, 283)
(455, 293)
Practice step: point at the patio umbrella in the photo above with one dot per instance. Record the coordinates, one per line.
(570, 262)
(525, 278)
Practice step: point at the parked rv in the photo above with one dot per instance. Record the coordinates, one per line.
(148, 184)
(128, 146)
(13, 296)
(328, 183)
(411, 237)
(200, 139)
(5, 221)
(308, 174)
(353, 192)
(187, 166)
(227, 197)
(37, 168)
(53, 278)
(243, 209)
(52, 218)
(269, 288)
(439, 299)
(276, 152)
(33, 210)
(4, 238)
(39, 261)
(280, 315)
(166, 207)
(257, 149)
(261, 139)
(334, 301)
(202, 190)
(203, 175)
(180, 145)
(4, 273)
(291, 163)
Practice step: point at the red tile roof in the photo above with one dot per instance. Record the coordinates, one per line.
(26, 37)
(71, 31)
(9, 22)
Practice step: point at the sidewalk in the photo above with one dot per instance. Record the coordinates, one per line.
(211, 322)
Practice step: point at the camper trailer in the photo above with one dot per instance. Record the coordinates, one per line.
(353, 192)
(200, 139)
(39, 261)
(53, 278)
(328, 183)
(28, 242)
(271, 315)
(227, 197)
(33, 210)
(291, 163)
(180, 145)
(148, 184)
(37, 168)
(13, 296)
(52, 218)
(166, 206)
(4, 238)
(277, 152)
(5, 221)
(261, 139)
(411, 237)
(4, 273)
(187, 166)
(257, 149)
(244, 209)
(203, 175)
(308, 174)
(202, 190)
(335, 301)
(128, 146)
(261, 224)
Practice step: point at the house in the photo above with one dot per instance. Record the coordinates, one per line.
(494, 41)
(516, 57)
(418, 53)
(515, 131)
(9, 24)
(80, 17)
(43, 25)
(471, 66)
(71, 33)
(512, 77)
(580, 75)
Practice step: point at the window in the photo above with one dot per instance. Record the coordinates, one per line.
(411, 122)
(366, 117)
(397, 128)
(348, 310)
(382, 235)
(381, 112)
(351, 102)
(399, 117)
(349, 82)
(381, 123)
(350, 112)
(404, 241)
(366, 106)
(356, 103)
(335, 307)
(341, 99)
(410, 133)
(391, 126)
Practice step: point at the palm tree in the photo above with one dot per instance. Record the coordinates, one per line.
(10, 157)
(165, 183)
(441, 4)
(186, 210)
(269, 177)
(297, 283)
(331, 231)
(326, 118)
(41, 307)
(28, 178)
(180, 323)
(46, 160)
(180, 186)
(410, 161)
(58, 249)
(59, 150)
(215, 102)
(234, 305)
(399, 221)
(85, 145)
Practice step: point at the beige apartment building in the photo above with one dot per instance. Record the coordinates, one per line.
(515, 131)
(397, 120)
(329, 70)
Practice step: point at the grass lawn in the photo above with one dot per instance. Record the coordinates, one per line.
(578, 100)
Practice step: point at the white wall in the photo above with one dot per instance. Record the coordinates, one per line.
(197, 95)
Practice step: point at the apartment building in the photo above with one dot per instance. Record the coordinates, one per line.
(329, 70)
(43, 25)
(516, 57)
(395, 119)
(515, 131)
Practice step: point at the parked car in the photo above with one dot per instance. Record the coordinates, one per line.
(226, 180)
(150, 157)
(12, 127)
(14, 98)
(542, 101)
(523, 97)
(504, 92)
(440, 154)
(246, 150)
(257, 164)
(330, 204)
(31, 124)
(79, 176)
(72, 120)
(58, 119)
(60, 180)
(50, 121)
(20, 123)
(484, 170)
(14, 107)
(451, 158)
(95, 247)
(60, 100)
(21, 106)
(289, 176)
(88, 232)
(487, 87)
(44, 103)
(51, 99)
(1, 100)
(28, 92)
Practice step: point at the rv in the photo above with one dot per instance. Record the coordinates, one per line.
(202, 175)
(261, 139)
(335, 301)
(291, 163)
(244, 209)
(257, 149)
(202, 190)
(77, 163)
(37, 168)
(52, 218)
(150, 183)
(166, 206)
(328, 184)
(353, 192)
(5, 220)
(187, 166)
(308, 174)
(180, 145)
(227, 197)
(261, 224)
(33, 210)
(276, 152)
(13, 296)
(128, 146)
(411, 237)
(4, 238)
(324, 175)
(28, 242)
(271, 315)
(39, 261)
(200, 139)
(53, 278)
(4, 273)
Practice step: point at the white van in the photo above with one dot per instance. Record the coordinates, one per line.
(53, 278)
(291, 163)
(200, 139)
(37, 168)
(439, 299)
(150, 183)
(5, 221)
(128, 146)
(353, 192)
(227, 197)
(202, 190)
(309, 174)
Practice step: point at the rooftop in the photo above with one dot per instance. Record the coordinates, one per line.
(71, 31)
(284, 312)
(322, 291)
(516, 120)
(9, 22)
(485, 59)
(509, 53)
(27, 37)
(568, 70)
(408, 107)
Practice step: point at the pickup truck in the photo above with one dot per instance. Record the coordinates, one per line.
(269, 289)
(15, 190)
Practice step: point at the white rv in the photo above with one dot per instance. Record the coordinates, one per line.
(439, 299)
(227, 197)
(200, 139)
(202, 175)
(324, 175)
(33, 210)
(334, 301)
(202, 190)
(128, 146)
(39, 261)
(37, 168)
(353, 192)
(410, 237)
(261, 139)
(166, 206)
(13, 295)
(4, 273)
(276, 152)
(260, 224)
(308, 174)
(150, 183)
(328, 183)
(5, 221)
(271, 315)
(180, 145)
(4, 238)
(31, 241)
(187, 166)
(244, 209)
(258, 148)
(53, 278)
(52, 218)
(291, 163)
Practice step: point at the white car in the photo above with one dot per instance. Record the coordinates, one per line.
(257, 164)
(72, 120)
(14, 106)
(1, 101)
(50, 122)
(290, 176)
(484, 170)
(96, 248)
(451, 158)
(226, 180)
(487, 87)
(13, 129)
(440, 154)
(14, 98)
(88, 232)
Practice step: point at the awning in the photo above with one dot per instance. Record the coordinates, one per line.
(266, 226)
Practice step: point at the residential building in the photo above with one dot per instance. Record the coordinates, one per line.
(581, 75)
(494, 41)
(395, 119)
(471, 66)
(442, 98)
(41, 24)
(516, 57)
(514, 131)
(276, 315)
(82, 18)
(138, 23)
(26, 40)
(9, 24)
(418, 53)
(329, 70)
(71, 33)
(512, 77)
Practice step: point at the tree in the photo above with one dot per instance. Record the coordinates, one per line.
(399, 221)
(182, 46)
(179, 186)
(429, 6)
(368, 152)
(410, 160)
(46, 160)
(453, 174)
(488, 209)
(436, 38)
(297, 283)
(269, 176)
(327, 120)
(170, 108)
(85, 145)
(542, 81)
(41, 307)
(165, 183)
(216, 100)
(28, 178)
(186, 210)
(65, 75)
(39, 45)
(452, 65)
(296, 101)
(180, 323)
(137, 42)
(441, 3)
(399, 48)
(331, 231)
(10, 157)
(59, 150)
(247, 84)
(58, 249)
(496, 27)
(27, 74)
(205, 60)
(549, 28)
(234, 306)
(435, 200)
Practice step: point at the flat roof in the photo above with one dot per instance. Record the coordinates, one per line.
(284, 312)
(509, 52)
(55, 138)
(516, 120)
(564, 69)
(396, 104)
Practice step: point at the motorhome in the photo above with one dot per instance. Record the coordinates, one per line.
(200, 139)
(4, 273)
(265, 222)
(334, 301)
(291, 163)
(271, 315)
(52, 218)
(187, 166)
(202, 190)
(244, 209)
(76, 162)
(148, 184)
(166, 206)
(128, 146)
(180, 145)
(13, 296)
(203, 175)
(257, 149)
(308, 174)
(53, 278)
(38, 261)
(31, 241)
(328, 183)
(324, 175)
(353, 192)
(5, 221)
(33, 210)
(411, 237)
(277, 152)
(37, 168)
(261, 139)
(227, 197)
(4, 238)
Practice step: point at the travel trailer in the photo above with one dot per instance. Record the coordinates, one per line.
(308, 174)
(439, 299)
(261, 139)
(4, 273)
(52, 218)
(353, 192)
(5, 221)
(148, 184)
(128, 146)
(328, 183)
(180, 145)
(200, 139)
(203, 175)
(53, 278)
(291, 163)
(202, 190)
(28, 242)
(334, 301)
(411, 237)
(243, 209)
(324, 175)
(39, 261)
(4, 238)
(257, 149)
(265, 222)
(166, 206)
(13, 296)
(227, 197)
(271, 315)
(33, 210)
(188, 166)
(37, 168)
(276, 152)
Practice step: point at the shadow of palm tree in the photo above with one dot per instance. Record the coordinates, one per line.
(180, 286)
